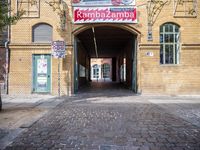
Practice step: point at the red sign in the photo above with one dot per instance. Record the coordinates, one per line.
(105, 15)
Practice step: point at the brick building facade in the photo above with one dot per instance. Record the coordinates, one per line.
(159, 46)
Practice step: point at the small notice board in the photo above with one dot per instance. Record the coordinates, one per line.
(58, 49)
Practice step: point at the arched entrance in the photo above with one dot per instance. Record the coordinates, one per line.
(115, 42)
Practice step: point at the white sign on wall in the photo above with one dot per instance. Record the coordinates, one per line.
(58, 49)
(102, 2)
(149, 54)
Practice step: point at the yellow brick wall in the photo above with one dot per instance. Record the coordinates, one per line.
(152, 77)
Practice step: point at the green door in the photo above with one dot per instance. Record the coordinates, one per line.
(134, 66)
(75, 66)
(42, 73)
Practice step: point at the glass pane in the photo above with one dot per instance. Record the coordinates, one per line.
(161, 54)
(176, 28)
(161, 38)
(171, 54)
(171, 38)
(166, 28)
(161, 28)
(176, 53)
(166, 38)
(167, 54)
(176, 38)
(171, 28)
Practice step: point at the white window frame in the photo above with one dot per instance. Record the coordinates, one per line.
(174, 46)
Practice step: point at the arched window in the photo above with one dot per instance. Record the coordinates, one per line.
(106, 70)
(95, 71)
(169, 40)
(42, 33)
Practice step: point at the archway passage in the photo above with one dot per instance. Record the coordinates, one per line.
(102, 43)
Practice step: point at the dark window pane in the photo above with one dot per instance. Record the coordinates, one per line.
(161, 38)
(171, 28)
(161, 54)
(176, 53)
(176, 28)
(171, 38)
(161, 29)
(171, 54)
(166, 28)
(167, 54)
(166, 38)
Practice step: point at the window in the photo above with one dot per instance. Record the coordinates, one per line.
(185, 8)
(31, 7)
(95, 71)
(169, 40)
(123, 71)
(42, 33)
(106, 70)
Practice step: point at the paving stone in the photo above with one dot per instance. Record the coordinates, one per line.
(81, 124)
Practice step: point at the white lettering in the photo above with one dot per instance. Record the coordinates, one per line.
(108, 14)
(79, 14)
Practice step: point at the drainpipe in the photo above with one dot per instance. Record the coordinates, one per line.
(7, 65)
(7, 50)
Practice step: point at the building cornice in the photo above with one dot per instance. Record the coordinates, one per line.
(35, 46)
(149, 46)
(191, 46)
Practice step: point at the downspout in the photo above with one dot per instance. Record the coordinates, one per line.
(7, 65)
(7, 51)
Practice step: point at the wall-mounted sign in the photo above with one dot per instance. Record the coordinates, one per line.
(105, 14)
(58, 49)
(102, 2)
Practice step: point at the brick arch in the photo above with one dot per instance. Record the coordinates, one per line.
(125, 27)
(170, 22)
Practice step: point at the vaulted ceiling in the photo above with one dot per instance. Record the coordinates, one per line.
(110, 40)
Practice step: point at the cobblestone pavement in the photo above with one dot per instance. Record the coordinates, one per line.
(20, 112)
(115, 121)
